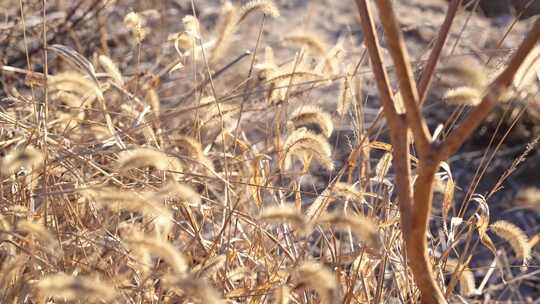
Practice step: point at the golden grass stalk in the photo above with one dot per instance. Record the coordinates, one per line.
(152, 98)
(332, 60)
(66, 287)
(77, 91)
(282, 295)
(466, 277)
(304, 143)
(318, 207)
(68, 100)
(181, 192)
(111, 69)
(232, 141)
(268, 68)
(529, 197)
(191, 26)
(363, 227)
(16, 211)
(164, 250)
(98, 132)
(482, 225)
(186, 41)
(184, 44)
(190, 145)
(383, 165)
(344, 96)
(210, 266)
(225, 29)
(72, 82)
(84, 87)
(71, 108)
(136, 23)
(213, 112)
(348, 191)
(298, 74)
(534, 240)
(311, 41)
(4, 225)
(29, 158)
(116, 200)
(146, 157)
(240, 273)
(467, 71)
(12, 269)
(86, 66)
(527, 74)
(516, 237)
(192, 148)
(40, 233)
(318, 277)
(195, 288)
(285, 213)
(305, 115)
(448, 197)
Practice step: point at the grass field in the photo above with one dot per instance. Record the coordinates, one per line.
(268, 152)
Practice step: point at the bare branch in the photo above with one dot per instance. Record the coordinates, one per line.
(407, 85)
(429, 69)
(398, 128)
(413, 224)
(458, 136)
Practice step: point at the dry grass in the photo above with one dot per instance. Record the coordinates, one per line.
(195, 176)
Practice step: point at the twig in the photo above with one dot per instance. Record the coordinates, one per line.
(407, 85)
(213, 76)
(397, 124)
(458, 136)
(435, 55)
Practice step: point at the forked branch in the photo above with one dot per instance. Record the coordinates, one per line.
(398, 126)
(407, 85)
(415, 206)
(415, 245)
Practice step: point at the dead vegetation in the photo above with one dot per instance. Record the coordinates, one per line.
(190, 176)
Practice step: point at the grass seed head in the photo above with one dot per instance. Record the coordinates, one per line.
(311, 41)
(466, 71)
(305, 144)
(463, 96)
(466, 276)
(318, 277)
(136, 23)
(266, 7)
(527, 74)
(111, 69)
(363, 227)
(517, 239)
(195, 288)
(181, 192)
(146, 157)
(530, 198)
(303, 116)
(163, 250)
(286, 213)
(28, 158)
(67, 287)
